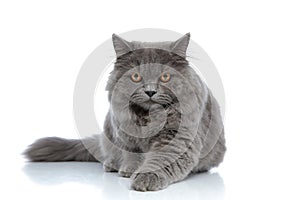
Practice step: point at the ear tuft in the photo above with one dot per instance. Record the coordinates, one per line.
(180, 46)
(121, 46)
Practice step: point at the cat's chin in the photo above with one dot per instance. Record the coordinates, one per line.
(149, 105)
(145, 107)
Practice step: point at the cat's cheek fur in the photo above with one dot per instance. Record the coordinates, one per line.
(149, 181)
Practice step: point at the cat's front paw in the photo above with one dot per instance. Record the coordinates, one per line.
(125, 174)
(109, 169)
(149, 181)
(126, 171)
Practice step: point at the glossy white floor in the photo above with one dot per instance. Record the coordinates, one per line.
(89, 181)
(78, 180)
(236, 178)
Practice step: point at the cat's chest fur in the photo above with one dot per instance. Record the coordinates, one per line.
(169, 123)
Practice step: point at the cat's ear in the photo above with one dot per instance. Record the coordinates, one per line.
(180, 46)
(121, 46)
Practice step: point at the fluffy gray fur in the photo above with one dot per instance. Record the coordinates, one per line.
(155, 140)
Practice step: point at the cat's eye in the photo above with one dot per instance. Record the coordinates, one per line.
(165, 77)
(136, 77)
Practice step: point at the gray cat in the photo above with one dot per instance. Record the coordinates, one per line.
(162, 125)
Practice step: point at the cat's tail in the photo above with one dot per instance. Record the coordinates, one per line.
(54, 149)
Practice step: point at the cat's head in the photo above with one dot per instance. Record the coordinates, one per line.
(147, 73)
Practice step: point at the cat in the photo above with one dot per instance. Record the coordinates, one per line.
(162, 125)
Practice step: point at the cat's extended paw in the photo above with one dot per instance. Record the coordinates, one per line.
(149, 181)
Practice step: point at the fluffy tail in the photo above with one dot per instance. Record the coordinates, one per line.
(54, 149)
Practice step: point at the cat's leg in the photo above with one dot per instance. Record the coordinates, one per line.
(214, 157)
(110, 165)
(109, 169)
(111, 155)
(131, 162)
(163, 166)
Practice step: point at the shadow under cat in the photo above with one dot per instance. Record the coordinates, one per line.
(196, 186)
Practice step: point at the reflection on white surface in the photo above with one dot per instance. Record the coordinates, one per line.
(111, 186)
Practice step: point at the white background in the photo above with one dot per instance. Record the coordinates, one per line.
(254, 44)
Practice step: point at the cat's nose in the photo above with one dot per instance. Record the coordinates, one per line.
(150, 93)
